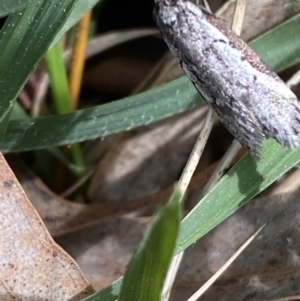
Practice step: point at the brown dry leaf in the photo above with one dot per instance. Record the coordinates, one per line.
(33, 266)
(268, 269)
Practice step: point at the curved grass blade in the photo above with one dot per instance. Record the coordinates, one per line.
(145, 274)
(146, 271)
(101, 121)
(267, 44)
(24, 38)
(245, 180)
(109, 293)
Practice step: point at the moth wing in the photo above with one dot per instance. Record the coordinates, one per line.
(236, 118)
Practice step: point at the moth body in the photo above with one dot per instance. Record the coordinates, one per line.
(250, 100)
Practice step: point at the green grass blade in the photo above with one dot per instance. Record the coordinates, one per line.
(144, 278)
(81, 7)
(280, 57)
(58, 79)
(109, 293)
(145, 274)
(11, 6)
(18, 112)
(24, 38)
(5, 119)
(102, 120)
(60, 93)
(138, 110)
(246, 179)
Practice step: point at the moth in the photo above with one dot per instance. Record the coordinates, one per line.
(250, 100)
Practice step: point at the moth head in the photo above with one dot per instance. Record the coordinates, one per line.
(165, 12)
